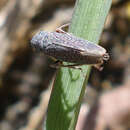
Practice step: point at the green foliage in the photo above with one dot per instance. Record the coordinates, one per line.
(69, 87)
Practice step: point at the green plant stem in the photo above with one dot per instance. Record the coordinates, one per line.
(69, 86)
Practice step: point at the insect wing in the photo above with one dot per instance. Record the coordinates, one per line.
(71, 41)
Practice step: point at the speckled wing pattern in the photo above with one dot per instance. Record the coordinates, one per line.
(71, 41)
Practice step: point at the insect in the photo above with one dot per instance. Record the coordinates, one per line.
(66, 47)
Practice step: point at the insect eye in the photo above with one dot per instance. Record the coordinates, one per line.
(106, 56)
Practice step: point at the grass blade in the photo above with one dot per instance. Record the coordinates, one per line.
(69, 87)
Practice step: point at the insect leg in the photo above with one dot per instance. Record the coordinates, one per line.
(58, 64)
(98, 66)
(74, 66)
(62, 28)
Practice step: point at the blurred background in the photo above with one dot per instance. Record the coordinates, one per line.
(26, 78)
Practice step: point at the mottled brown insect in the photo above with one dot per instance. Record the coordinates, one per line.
(66, 47)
